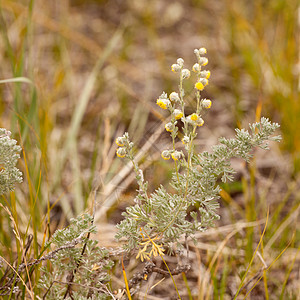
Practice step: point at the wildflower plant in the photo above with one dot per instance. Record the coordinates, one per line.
(9, 155)
(157, 220)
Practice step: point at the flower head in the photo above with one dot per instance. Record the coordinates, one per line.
(196, 68)
(186, 73)
(199, 122)
(185, 140)
(169, 127)
(202, 51)
(176, 155)
(194, 117)
(205, 74)
(204, 81)
(180, 62)
(203, 61)
(175, 68)
(163, 103)
(199, 86)
(166, 154)
(178, 114)
(121, 152)
(174, 97)
(206, 103)
(120, 141)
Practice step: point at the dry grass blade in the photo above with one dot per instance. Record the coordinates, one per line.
(17, 79)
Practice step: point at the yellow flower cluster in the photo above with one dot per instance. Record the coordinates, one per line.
(121, 151)
(171, 102)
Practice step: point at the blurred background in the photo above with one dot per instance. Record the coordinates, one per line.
(96, 69)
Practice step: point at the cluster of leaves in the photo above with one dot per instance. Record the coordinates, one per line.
(79, 272)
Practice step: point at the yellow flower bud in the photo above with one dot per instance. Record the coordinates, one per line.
(186, 73)
(196, 68)
(163, 103)
(169, 127)
(202, 51)
(194, 117)
(178, 114)
(176, 155)
(185, 140)
(174, 97)
(121, 152)
(199, 86)
(205, 74)
(120, 141)
(175, 68)
(165, 155)
(206, 103)
(203, 61)
(200, 122)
